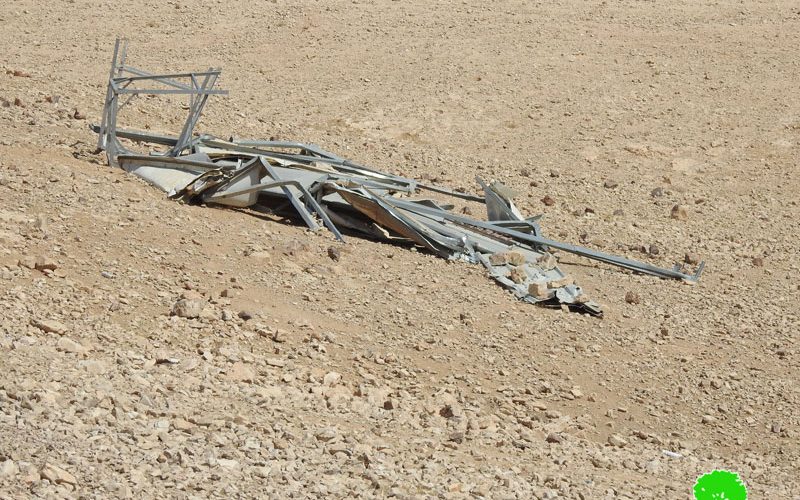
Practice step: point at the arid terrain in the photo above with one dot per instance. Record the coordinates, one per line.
(391, 372)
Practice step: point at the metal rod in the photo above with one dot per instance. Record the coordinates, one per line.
(172, 91)
(633, 265)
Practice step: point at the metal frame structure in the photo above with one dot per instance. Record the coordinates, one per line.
(123, 80)
(315, 183)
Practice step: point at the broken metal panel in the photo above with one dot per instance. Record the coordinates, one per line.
(366, 227)
(168, 174)
(498, 202)
(234, 190)
(379, 211)
(307, 178)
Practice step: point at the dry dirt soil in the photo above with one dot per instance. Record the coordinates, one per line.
(390, 372)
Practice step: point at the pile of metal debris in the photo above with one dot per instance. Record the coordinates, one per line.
(324, 189)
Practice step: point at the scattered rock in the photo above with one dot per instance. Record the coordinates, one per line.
(632, 298)
(548, 201)
(325, 434)
(686, 165)
(331, 379)
(554, 437)
(295, 248)
(547, 262)
(28, 262)
(241, 372)
(274, 334)
(539, 290)
(66, 344)
(610, 184)
(29, 474)
(276, 362)
(246, 315)
(78, 115)
(188, 308)
(334, 253)
(679, 213)
(566, 280)
(261, 255)
(162, 360)
(182, 425)
(45, 263)
(49, 326)
(262, 472)
(691, 258)
(447, 411)
(758, 262)
(503, 258)
(456, 437)
(8, 468)
(191, 294)
(653, 467)
(57, 475)
(617, 440)
(93, 366)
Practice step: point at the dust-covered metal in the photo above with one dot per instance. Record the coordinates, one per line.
(318, 186)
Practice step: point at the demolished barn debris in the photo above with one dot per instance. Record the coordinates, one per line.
(321, 187)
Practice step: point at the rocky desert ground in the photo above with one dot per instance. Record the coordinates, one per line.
(391, 372)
